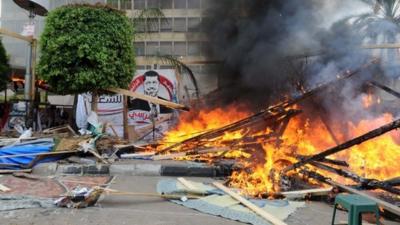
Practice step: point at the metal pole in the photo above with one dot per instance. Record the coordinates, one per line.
(28, 78)
(27, 85)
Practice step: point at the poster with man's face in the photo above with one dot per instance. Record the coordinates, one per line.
(156, 83)
(142, 114)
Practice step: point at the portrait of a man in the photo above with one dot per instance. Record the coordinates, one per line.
(151, 86)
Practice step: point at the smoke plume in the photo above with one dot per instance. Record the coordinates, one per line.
(262, 46)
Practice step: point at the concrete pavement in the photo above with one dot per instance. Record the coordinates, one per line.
(135, 210)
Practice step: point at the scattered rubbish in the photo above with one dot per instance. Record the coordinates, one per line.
(215, 201)
(80, 197)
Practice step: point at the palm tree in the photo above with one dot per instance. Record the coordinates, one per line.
(379, 26)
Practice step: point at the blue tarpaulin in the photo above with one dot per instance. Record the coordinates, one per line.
(31, 147)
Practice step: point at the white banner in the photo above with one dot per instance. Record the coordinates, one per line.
(141, 114)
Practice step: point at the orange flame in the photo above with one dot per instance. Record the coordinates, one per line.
(377, 158)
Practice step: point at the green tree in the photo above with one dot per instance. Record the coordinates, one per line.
(4, 68)
(86, 48)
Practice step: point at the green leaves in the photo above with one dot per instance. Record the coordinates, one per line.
(86, 48)
(4, 68)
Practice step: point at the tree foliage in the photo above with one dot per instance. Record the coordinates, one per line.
(4, 68)
(86, 48)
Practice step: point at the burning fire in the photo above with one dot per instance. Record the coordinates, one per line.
(377, 158)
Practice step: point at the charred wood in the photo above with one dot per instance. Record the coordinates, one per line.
(363, 182)
(385, 88)
(393, 181)
(314, 175)
(264, 116)
(329, 161)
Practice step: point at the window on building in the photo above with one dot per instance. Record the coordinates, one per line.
(180, 25)
(153, 25)
(151, 48)
(166, 25)
(166, 48)
(180, 4)
(193, 4)
(194, 48)
(140, 26)
(166, 4)
(153, 3)
(140, 67)
(180, 48)
(126, 4)
(194, 24)
(139, 48)
(139, 4)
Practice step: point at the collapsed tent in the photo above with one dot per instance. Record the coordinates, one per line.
(24, 153)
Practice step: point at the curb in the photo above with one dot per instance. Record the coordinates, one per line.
(136, 168)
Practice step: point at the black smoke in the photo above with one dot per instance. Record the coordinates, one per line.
(253, 38)
(258, 42)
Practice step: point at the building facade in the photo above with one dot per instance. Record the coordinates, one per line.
(178, 34)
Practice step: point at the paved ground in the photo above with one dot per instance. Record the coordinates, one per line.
(119, 210)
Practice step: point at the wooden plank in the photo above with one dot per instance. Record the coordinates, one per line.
(137, 155)
(385, 88)
(304, 193)
(186, 183)
(154, 100)
(169, 156)
(125, 117)
(15, 35)
(4, 188)
(191, 153)
(269, 217)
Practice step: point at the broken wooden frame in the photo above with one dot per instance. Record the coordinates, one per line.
(266, 118)
(268, 115)
(193, 149)
(361, 181)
